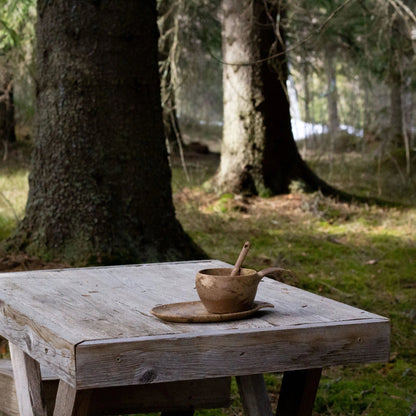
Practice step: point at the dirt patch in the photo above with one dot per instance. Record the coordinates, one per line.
(24, 262)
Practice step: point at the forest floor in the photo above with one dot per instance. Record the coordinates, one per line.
(358, 254)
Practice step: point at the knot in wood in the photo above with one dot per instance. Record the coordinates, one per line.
(147, 375)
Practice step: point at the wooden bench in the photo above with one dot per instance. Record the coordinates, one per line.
(173, 398)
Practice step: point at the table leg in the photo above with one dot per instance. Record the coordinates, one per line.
(28, 381)
(253, 394)
(70, 402)
(298, 392)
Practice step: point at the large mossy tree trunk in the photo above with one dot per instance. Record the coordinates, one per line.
(100, 180)
(258, 151)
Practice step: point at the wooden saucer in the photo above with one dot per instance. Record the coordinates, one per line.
(195, 312)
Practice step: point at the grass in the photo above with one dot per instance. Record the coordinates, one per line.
(14, 172)
(361, 255)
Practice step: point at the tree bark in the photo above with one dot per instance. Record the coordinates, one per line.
(100, 181)
(309, 136)
(395, 80)
(258, 152)
(396, 109)
(7, 124)
(332, 95)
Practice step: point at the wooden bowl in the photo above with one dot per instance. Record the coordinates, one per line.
(222, 293)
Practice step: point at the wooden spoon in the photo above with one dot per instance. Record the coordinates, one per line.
(236, 270)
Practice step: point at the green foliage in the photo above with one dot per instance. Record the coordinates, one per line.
(16, 23)
(7, 225)
(17, 38)
(13, 187)
(196, 66)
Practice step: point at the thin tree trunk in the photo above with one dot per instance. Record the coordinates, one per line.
(307, 100)
(396, 110)
(100, 180)
(395, 80)
(7, 123)
(332, 100)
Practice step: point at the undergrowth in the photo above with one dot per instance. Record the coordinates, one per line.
(361, 255)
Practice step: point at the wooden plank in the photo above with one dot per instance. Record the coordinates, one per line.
(179, 397)
(254, 397)
(79, 300)
(43, 345)
(170, 397)
(298, 392)
(8, 398)
(170, 358)
(65, 400)
(70, 402)
(72, 305)
(28, 383)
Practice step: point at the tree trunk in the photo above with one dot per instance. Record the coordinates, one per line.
(395, 81)
(332, 97)
(7, 125)
(396, 109)
(258, 151)
(306, 102)
(100, 180)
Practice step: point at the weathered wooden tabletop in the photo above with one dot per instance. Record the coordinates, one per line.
(93, 327)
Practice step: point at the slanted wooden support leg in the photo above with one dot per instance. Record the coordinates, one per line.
(298, 392)
(254, 397)
(28, 383)
(70, 402)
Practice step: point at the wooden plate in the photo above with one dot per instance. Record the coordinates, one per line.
(192, 312)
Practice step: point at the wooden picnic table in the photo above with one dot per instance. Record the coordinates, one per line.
(93, 329)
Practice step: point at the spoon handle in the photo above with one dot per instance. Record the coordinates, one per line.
(236, 270)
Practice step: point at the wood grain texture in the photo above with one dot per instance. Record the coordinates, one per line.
(85, 324)
(8, 398)
(298, 392)
(65, 400)
(27, 379)
(254, 397)
(70, 402)
(169, 358)
(170, 397)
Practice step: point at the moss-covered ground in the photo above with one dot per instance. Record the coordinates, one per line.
(358, 254)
